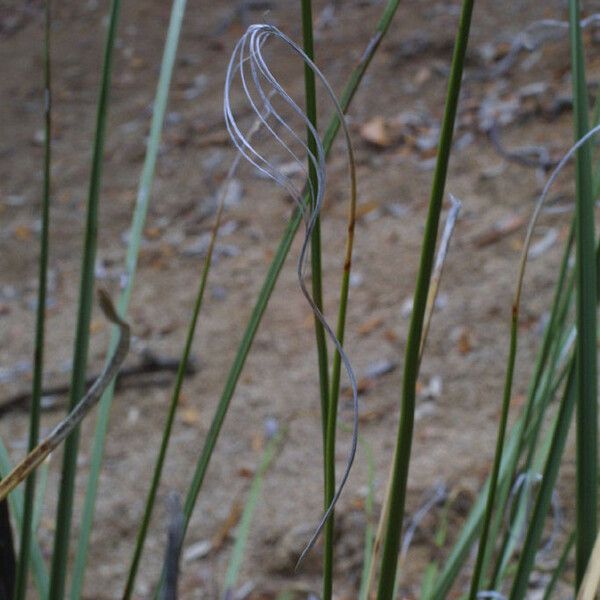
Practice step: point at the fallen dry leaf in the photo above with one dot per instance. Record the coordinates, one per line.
(376, 132)
(500, 229)
(23, 233)
(464, 343)
(246, 472)
(189, 416)
(370, 325)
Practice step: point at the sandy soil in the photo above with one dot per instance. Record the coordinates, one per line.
(466, 351)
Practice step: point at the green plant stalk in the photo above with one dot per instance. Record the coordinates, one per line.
(275, 268)
(518, 519)
(483, 541)
(484, 550)
(40, 496)
(137, 228)
(243, 529)
(428, 580)
(498, 494)
(405, 430)
(548, 386)
(370, 527)
(310, 95)
(560, 567)
(462, 546)
(536, 526)
(67, 485)
(509, 542)
(236, 369)
(335, 386)
(27, 529)
(15, 500)
(158, 468)
(544, 388)
(431, 571)
(520, 433)
(563, 295)
(586, 377)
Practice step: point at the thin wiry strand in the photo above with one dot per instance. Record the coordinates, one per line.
(248, 53)
(539, 205)
(438, 495)
(258, 67)
(241, 141)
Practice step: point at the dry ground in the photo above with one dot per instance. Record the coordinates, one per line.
(455, 431)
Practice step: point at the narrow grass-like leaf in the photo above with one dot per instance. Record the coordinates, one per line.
(330, 396)
(559, 568)
(586, 370)
(428, 581)
(543, 387)
(317, 291)
(544, 496)
(243, 529)
(77, 390)
(27, 528)
(436, 277)
(462, 547)
(483, 542)
(370, 528)
(174, 402)
(310, 95)
(137, 228)
(404, 440)
(523, 422)
(553, 461)
(40, 494)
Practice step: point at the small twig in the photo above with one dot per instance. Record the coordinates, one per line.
(530, 39)
(150, 364)
(68, 424)
(537, 157)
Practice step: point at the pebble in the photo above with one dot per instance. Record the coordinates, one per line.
(379, 368)
(197, 550)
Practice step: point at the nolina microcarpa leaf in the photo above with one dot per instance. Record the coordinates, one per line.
(261, 88)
